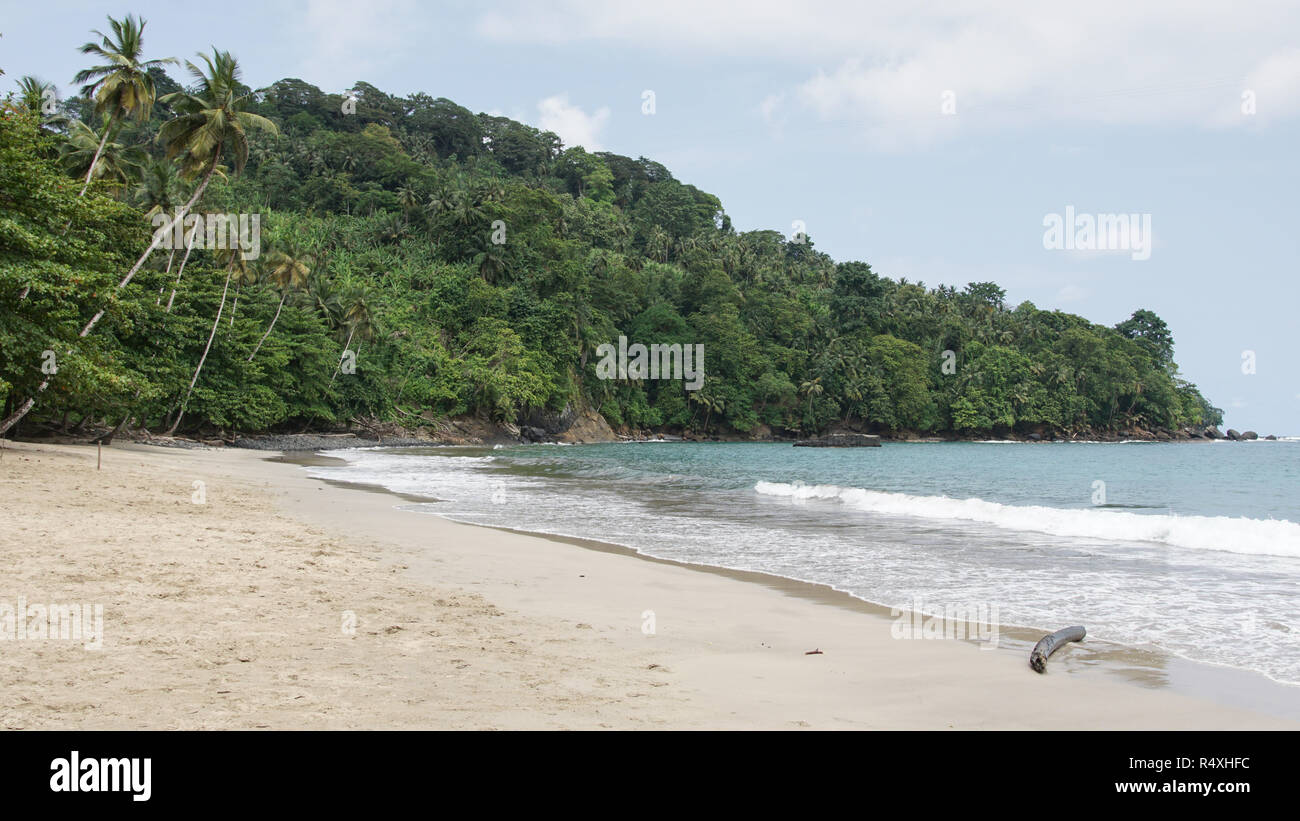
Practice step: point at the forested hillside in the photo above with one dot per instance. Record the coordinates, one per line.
(382, 220)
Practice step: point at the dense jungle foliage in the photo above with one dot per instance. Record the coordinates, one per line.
(471, 264)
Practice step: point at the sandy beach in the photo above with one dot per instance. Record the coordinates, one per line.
(239, 593)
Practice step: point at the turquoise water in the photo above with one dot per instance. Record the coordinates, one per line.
(1189, 548)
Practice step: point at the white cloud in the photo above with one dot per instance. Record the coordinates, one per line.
(883, 67)
(571, 123)
(1275, 86)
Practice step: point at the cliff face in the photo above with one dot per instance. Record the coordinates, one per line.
(588, 427)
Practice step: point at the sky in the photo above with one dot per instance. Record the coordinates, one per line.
(934, 140)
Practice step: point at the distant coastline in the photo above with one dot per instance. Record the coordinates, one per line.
(591, 428)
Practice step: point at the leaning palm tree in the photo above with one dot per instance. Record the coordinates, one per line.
(244, 275)
(188, 241)
(159, 192)
(103, 158)
(210, 118)
(234, 259)
(288, 270)
(122, 86)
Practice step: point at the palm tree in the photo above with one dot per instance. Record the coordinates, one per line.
(391, 229)
(160, 189)
(289, 270)
(103, 159)
(439, 201)
(407, 198)
(494, 190)
(324, 297)
(158, 192)
(465, 209)
(122, 87)
(811, 388)
(658, 244)
(709, 403)
(209, 119)
(180, 272)
(357, 316)
(244, 275)
(188, 240)
(490, 259)
(234, 258)
(713, 404)
(32, 93)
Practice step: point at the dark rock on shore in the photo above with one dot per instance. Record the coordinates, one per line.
(533, 434)
(550, 423)
(840, 440)
(1249, 436)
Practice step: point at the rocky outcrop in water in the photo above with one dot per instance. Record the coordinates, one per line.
(840, 440)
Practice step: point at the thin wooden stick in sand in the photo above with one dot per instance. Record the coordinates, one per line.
(99, 454)
(1048, 645)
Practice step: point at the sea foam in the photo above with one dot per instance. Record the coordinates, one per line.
(1265, 537)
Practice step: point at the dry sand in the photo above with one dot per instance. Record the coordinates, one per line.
(231, 614)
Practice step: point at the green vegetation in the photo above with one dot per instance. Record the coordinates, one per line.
(378, 219)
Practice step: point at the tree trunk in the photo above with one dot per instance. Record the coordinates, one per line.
(170, 259)
(189, 246)
(98, 153)
(230, 269)
(346, 345)
(107, 438)
(12, 419)
(157, 237)
(274, 319)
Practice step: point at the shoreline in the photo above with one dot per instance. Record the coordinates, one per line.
(546, 633)
(1146, 667)
(472, 431)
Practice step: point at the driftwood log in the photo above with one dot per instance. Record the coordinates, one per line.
(1048, 645)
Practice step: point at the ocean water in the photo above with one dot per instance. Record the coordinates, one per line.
(1192, 549)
